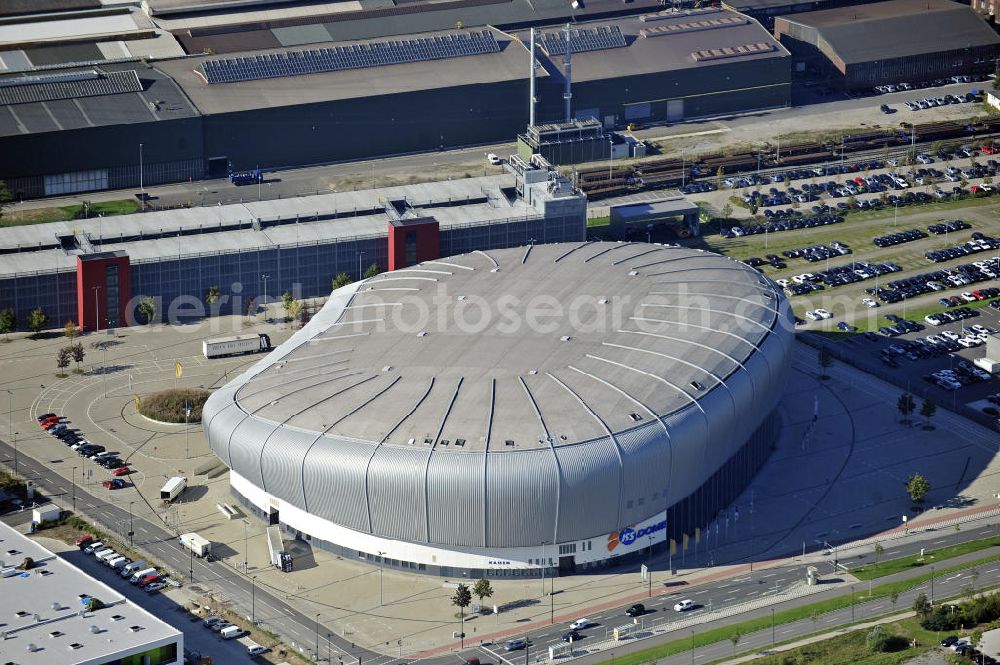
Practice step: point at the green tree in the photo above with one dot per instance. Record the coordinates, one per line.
(727, 211)
(825, 360)
(373, 270)
(37, 320)
(8, 320)
(212, 295)
(343, 279)
(878, 640)
(735, 639)
(76, 350)
(905, 405)
(893, 598)
(878, 552)
(917, 487)
(482, 589)
(928, 408)
(922, 606)
(5, 198)
(62, 359)
(147, 309)
(937, 147)
(462, 599)
(721, 171)
(70, 330)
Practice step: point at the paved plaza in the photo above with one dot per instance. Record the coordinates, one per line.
(836, 474)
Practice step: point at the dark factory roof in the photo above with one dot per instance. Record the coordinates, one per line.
(897, 28)
(74, 98)
(372, 21)
(672, 40)
(509, 64)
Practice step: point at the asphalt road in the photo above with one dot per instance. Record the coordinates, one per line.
(296, 628)
(293, 626)
(762, 584)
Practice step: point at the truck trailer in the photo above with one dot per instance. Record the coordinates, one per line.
(235, 345)
(173, 488)
(276, 546)
(201, 547)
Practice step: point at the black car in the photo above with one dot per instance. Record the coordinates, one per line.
(636, 610)
(948, 641)
(573, 635)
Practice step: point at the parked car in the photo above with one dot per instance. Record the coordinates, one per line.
(684, 605)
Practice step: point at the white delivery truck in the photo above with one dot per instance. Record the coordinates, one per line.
(173, 488)
(117, 562)
(235, 345)
(47, 513)
(201, 547)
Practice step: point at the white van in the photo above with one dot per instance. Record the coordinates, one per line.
(104, 554)
(231, 632)
(133, 567)
(254, 650)
(139, 574)
(118, 562)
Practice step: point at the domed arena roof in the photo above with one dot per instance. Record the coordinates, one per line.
(514, 396)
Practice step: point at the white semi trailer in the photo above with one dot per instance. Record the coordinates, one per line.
(235, 345)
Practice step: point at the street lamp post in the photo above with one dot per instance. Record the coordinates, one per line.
(692, 645)
(253, 600)
(142, 189)
(317, 636)
(852, 603)
(381, 566)
(74, 489)
(264, 277)
(245, 566)
(10, 415)
(130, 530)
(360, 254)
(97, 310)
(932, 585)
(772, 626)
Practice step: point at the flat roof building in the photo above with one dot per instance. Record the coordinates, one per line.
(302, 243)
(892, 41)
(47, 620)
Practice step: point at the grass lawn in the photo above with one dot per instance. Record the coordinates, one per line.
(892, 566)
(66, 213)
(917, 314)
(598, 221)
(850, 649)
(168, 406)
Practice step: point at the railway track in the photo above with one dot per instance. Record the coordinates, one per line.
(598, 182)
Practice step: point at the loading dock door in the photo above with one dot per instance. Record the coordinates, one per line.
(638, 111)
(218, 167)
(567, 565)
(675, 110)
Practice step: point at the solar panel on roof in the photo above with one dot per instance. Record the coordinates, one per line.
(47, 88)
(355, 56)
(584, 39)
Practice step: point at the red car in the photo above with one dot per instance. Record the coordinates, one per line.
(148, 579)
(988, 149)
(122, 471)
(83, 541)
(49, 424)
(115, 484)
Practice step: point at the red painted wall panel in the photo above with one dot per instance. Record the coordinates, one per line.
(91, 271)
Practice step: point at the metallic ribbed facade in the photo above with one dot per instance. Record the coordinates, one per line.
(695, 390)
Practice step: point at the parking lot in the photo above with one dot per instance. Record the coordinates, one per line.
(914, 360)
